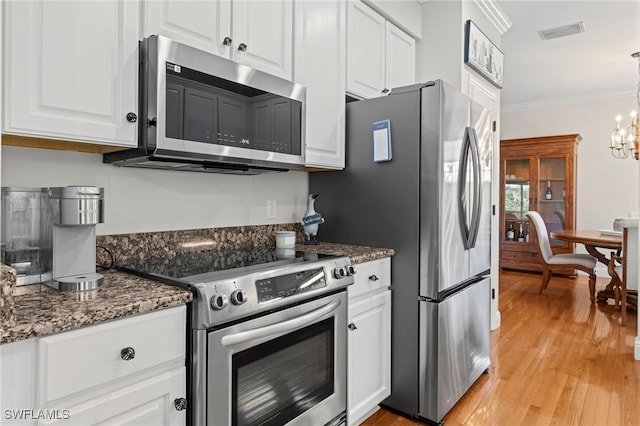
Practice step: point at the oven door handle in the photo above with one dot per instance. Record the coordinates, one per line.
(282, 327)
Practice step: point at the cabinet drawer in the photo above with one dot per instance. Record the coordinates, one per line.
(523, 256)
(371, 276)
(78, 360)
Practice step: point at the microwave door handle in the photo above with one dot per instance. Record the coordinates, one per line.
(279, 328)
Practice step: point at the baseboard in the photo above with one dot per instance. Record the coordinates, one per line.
(496, 320)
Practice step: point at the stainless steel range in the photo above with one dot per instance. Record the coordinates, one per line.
(268, 334)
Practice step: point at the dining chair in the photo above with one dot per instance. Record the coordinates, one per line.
(616, 270)
(626, 271)
(553, 262)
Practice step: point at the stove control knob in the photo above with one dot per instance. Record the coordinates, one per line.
(340, 272)
(351, 270)
(238, 297)
(219, 301)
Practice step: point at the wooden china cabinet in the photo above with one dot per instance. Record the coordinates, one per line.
(536, 174)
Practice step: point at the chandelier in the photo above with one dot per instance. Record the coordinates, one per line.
(625, 141)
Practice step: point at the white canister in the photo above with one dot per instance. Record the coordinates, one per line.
(285, 239)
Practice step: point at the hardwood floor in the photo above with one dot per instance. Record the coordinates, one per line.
(556, 360)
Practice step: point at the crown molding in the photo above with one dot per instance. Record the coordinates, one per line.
(495, 14)
(566, 101)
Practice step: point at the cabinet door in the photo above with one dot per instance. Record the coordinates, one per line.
(18, 382)
(71, 70)
(369, 349)
(320, 58)
(551, 194)
(366, 31)
(150, 402)
(265, 29)
(400, 58)
(200, 24)
(517, 198)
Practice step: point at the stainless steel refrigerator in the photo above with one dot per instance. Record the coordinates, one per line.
(425, 191)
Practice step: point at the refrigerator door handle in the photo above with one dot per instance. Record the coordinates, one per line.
(477, 190)
(463, 195)
(469, 195)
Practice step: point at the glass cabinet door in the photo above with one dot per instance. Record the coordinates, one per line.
(551, 193)
(517, 184)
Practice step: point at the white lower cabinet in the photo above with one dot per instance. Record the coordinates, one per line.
(129, 371)
(369, 340)
(149, 402)
(18, 382)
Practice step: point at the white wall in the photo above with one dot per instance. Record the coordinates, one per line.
(138, 200)
(606, 187)
(439, 52)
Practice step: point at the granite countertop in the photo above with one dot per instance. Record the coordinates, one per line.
(357, 254)
(40, 310)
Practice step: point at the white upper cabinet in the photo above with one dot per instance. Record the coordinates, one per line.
(380, 55)
(200, 24)
(400, 58)
(366, 34)
(320, 62)
(71, 70)
(256, 33)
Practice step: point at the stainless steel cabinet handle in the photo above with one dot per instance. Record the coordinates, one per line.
(132, 117)
(373, 278)
(352, 326)
(180, 404)
(227, 41)
(128, 353)
(242, 47)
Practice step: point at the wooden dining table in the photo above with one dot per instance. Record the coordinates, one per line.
(594, 241)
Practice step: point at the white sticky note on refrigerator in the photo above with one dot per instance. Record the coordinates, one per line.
(382, 141)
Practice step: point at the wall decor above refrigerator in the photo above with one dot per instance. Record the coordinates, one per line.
(482, 55)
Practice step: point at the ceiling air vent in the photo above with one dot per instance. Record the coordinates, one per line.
(563, 31)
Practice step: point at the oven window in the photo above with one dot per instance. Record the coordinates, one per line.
(278, 380)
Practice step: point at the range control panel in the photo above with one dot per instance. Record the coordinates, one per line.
(287, 285)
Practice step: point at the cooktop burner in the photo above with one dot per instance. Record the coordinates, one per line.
(188, 265)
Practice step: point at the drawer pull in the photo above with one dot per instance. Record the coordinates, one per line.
(180, 404)
(128, 354)
(352, 327)
(373, 278)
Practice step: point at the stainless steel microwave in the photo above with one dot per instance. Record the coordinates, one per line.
(201, 112)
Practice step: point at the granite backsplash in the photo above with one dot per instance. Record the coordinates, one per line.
(7, 291)
(126, 247)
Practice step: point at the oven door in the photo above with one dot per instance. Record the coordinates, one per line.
(287, 367)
